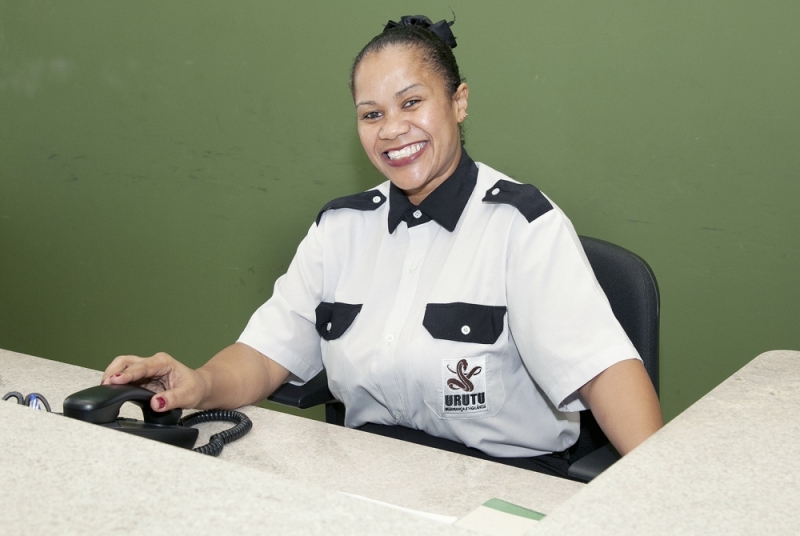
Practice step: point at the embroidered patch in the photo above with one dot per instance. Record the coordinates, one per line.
(464, 385)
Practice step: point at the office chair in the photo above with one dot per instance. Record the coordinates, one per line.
(632, 291)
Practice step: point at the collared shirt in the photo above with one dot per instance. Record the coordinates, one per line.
(444, 205)
(474, 316)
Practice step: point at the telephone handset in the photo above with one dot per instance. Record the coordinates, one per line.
(101, 405)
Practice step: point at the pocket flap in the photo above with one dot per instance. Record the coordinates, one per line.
(333, 319)
(464, 322)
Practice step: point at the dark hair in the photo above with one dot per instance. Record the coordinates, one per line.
(413, 32)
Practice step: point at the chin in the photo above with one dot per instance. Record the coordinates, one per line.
(405, 182)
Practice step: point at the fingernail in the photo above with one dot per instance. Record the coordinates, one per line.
(161, 402)
(117, 375)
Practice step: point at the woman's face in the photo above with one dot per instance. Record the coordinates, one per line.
(407, 121)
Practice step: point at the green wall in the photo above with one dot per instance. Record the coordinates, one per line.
(160, 161)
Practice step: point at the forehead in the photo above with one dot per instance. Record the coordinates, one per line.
(392, 69)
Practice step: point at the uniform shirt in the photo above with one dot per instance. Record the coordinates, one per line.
(474, 316)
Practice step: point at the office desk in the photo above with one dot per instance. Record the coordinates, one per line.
(303, 455)
(730, 464)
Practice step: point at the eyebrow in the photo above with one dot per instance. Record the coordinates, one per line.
(412, 86)
(398, 94)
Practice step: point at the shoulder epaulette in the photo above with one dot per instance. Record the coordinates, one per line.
(524, 197)
(369, 200)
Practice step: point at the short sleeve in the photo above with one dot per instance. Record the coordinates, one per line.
(283, 328)
(559, 317)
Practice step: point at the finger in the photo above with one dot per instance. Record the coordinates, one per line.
(119, 364)
(182, 396)
(151, 367)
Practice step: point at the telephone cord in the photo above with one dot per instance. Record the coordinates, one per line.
(33, 400)
(219, 440)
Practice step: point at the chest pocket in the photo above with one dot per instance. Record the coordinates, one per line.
(464, 322)
(333, 319)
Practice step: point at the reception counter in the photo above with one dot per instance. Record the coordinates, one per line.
(730, 464)
(288, 469)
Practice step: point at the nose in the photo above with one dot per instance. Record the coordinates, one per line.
(393, 126)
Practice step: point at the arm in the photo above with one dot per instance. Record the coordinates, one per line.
(624, 403)
(236, 376)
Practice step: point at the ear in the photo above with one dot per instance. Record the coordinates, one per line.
(460, 98)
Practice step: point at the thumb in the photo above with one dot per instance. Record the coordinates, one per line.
(179, 397)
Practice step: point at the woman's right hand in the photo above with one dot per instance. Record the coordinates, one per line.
(175, 384)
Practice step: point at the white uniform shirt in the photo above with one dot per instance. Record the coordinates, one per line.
(475, 317)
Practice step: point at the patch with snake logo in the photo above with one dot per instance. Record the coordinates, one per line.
(464, 385)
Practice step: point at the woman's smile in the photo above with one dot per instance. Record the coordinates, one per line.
(405, 155)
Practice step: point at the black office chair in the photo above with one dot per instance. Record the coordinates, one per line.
(632, 291)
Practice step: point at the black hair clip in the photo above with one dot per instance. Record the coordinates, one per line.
(441, 28)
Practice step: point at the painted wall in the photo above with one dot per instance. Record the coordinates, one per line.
(160, 161)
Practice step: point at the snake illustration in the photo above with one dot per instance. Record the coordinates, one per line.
(463, 377)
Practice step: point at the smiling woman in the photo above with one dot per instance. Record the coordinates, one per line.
(450, 302)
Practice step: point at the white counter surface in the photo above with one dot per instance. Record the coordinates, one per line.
(297, 452)
(730, 464)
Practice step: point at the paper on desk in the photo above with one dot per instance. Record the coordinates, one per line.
(449, 520)
(500, 518)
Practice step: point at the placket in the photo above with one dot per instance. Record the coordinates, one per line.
(392, 378)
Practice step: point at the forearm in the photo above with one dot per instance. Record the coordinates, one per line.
(237, 376)
(624, 403)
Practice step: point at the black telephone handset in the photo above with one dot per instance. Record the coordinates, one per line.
(101, 405)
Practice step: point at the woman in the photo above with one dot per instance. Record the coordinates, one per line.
(450, 299)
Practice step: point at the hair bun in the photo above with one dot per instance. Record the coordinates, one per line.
(441, 28)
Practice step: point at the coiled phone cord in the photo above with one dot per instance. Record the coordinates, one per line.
(218, 440)
(33, 400)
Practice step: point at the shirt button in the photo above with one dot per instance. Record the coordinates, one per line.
(397, 416)
(417, 214)
(389, 337)
(329, 326)
(412, 266)
(376, 199)
(496, 191)
(465, 330)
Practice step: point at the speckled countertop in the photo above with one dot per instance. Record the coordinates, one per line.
(730, 464)
(285, 472)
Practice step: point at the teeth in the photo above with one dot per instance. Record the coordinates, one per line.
(405, 151)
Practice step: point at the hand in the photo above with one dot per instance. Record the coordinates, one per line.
(176, 385)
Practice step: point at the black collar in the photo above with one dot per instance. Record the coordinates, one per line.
(444, 205)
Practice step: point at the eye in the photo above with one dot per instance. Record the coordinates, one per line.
(410, 103)
(371, 115)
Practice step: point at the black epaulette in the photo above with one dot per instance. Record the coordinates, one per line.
(524, 197)
(369, 200)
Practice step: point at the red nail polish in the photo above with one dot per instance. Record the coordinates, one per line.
(161, 402)
(117, 375)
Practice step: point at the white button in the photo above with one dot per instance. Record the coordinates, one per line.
(417, 214)
(328, 327)
(496, 191)
(389, 337)
(412, 266)
(397, 416)
(376, 199)
(465, 330)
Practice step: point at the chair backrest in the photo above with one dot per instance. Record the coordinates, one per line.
(632, 291)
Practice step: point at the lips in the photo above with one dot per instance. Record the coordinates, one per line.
(404, 155)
